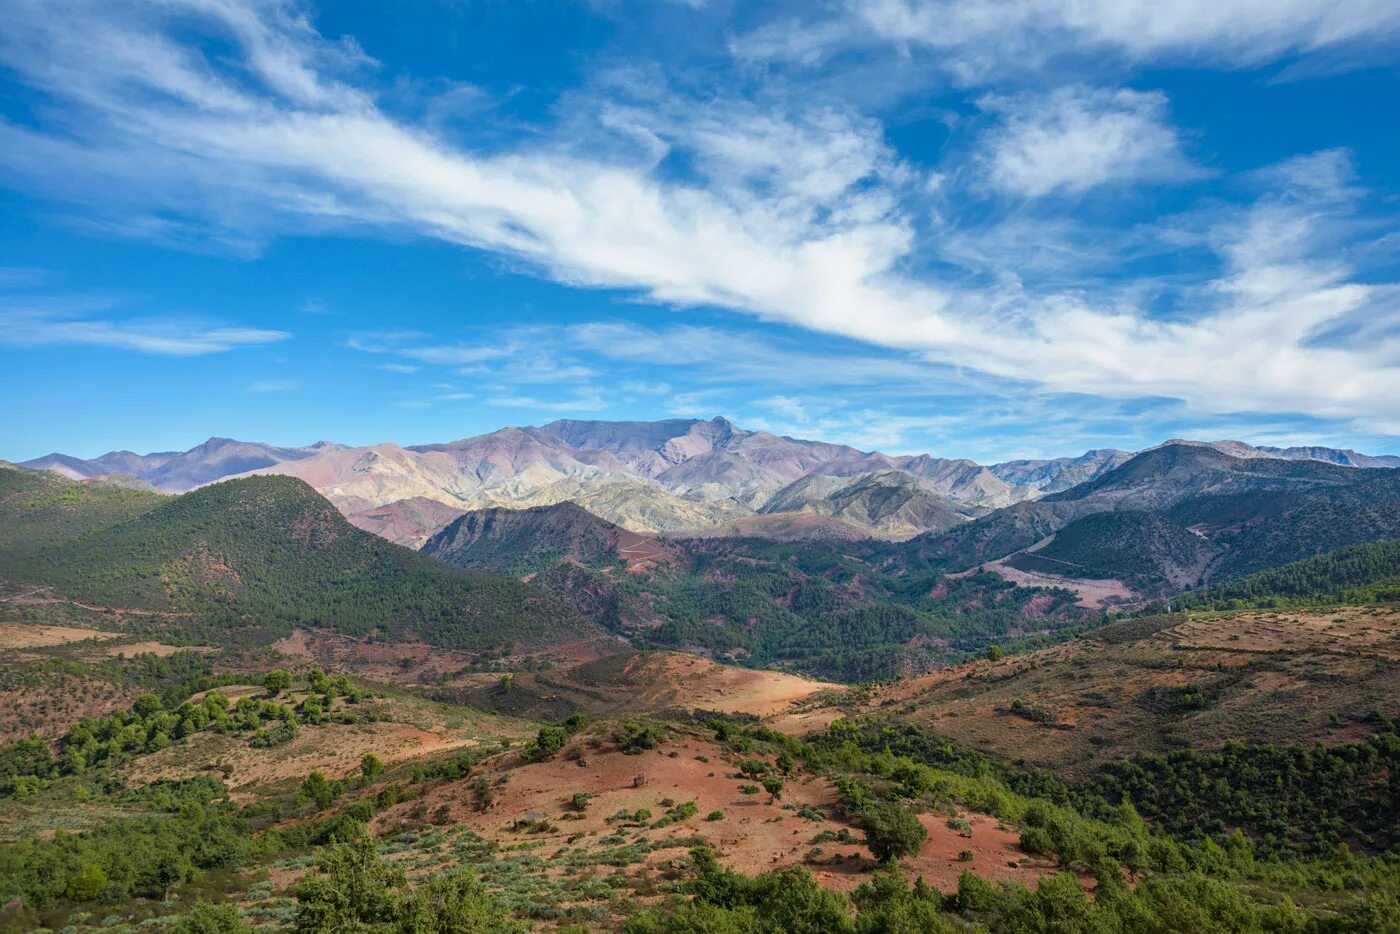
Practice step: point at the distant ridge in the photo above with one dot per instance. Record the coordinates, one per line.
(674, 476)
(525, 540)
(1181, 515)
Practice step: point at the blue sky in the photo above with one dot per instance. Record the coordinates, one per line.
(989, 228)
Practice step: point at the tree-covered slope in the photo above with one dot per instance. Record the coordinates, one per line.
(1365, 573)
(1244, 514)
(256, 555)
(1147, 551)
(522, 540)
(827, 609)
(40, 507)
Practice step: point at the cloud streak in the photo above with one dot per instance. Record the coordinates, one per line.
(800, 215)
(975, 39)
(28, 325)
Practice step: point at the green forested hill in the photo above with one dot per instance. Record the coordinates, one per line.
(1365, 573)
(830, 610)
(41, 507)
(1147, 551)
(524, 540)
(1179, 513)
(255, 556)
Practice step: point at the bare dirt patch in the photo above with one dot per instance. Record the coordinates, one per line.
(36, 635)
(334, 749)
(1281, 677)
(1093, 594)
(754, 834)
(642, 682)
(155, 648)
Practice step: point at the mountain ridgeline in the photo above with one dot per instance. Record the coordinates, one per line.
(1182, 515)
(267, 552)
(525, 540)
(248, 560)
(672, 476)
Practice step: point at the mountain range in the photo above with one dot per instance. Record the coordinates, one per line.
(671, 476)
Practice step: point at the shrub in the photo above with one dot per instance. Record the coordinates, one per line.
(892, 830)
(547, 744)
(370, 766)
(204, 918)
(276, 681)
(634, 737)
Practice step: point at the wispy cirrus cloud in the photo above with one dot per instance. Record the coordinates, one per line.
(48, 323)
(975, 39)
(793, 211)
(590, 400)
(1075, 139)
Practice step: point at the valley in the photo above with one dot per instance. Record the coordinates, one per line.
(1155, 688)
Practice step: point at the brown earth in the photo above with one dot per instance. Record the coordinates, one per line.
(154, 648)
(1279, 677)
(1093, 594)
(418, 664)
(754, 835)
(48, 703)
(36, 635)
(642, 682)
(409, 728)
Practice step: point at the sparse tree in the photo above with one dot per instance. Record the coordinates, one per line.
(87, 883)
(892, 830)
(205, 918)
(352, 889)
(774, 787)
(370, 766)
(147, 705)
(276, 681)
(318, 790)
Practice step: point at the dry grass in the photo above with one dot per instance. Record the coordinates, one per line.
(1279, 677)
(755, 835)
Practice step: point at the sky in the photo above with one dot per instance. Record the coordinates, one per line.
(985, 228)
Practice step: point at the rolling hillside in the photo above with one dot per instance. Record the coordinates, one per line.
(673, 476)
(1180, 514)
(825, 608)
(520, 541)
(890, 501)
(1164, 683)
(249, 559)
(1365, 573)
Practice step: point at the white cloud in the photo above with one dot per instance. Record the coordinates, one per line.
(24, 324)
(976, 39)
(789, 407)
(282, 137)
(703, 403)
(404, 368)
(1075, 139)
(643, 388)
(588, 401)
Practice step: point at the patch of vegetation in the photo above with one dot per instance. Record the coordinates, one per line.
(1357, 574)
(634, 737)
(250, 559)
